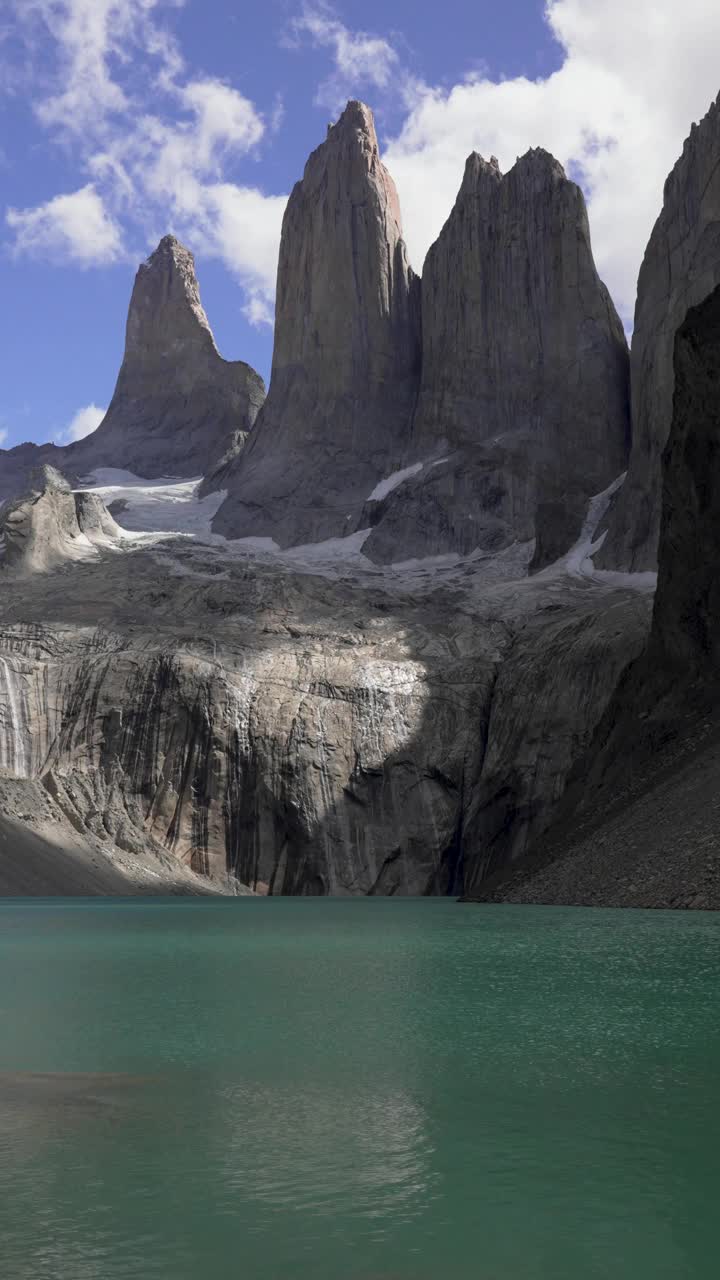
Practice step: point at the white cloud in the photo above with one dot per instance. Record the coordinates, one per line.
(83, 423)
(258, 311)
(360, 58)
(167, 157)
(90, 37)
(241, 226)
(176, 167)
(615, 114)
(69, 228)
(162, 168)
(3, 436)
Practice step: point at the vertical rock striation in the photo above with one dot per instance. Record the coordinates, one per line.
(680, 268)
(524, 392)
(347, 350)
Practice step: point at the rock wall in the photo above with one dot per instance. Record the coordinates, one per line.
(685, 633)
(305, 735)
(680, 268)
(524, 403)
(347, 350)
(638, 823)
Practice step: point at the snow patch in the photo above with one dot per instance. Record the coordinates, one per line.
(335, 549)
(160, 506)
(386, 486)
(578, 562)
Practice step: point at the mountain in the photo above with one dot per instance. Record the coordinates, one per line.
(178, 407)
(523, 411)
(295, 715)
(346, 361)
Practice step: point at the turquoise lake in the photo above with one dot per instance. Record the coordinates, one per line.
(284, 1089)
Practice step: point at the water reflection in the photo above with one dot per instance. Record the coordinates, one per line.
(304, 1151)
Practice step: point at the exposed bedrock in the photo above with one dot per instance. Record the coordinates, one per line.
(523, 411)
(686, 621)
(305, 735)
(347, 350)
(178, 407)
(680, 268)
(51, 525)
(638, 823)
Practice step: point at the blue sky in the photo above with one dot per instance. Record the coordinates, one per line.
(123, 119)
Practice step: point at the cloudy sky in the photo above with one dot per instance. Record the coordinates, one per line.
(125, 119)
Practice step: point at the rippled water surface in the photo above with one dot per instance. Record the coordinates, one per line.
(357, 1090)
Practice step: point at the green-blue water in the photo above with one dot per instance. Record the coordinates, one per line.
(357, 1090)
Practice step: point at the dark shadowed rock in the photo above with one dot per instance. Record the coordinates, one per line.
(686, 621)
(524, 389)
(680, 268)
(347, 350)
(638, 825)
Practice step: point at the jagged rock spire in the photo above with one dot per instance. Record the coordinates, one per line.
(165, 313)
(525, 372)
(178, 407)
(347, 348)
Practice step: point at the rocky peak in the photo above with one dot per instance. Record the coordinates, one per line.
(523, 407)
(347, 349)
(165, 309)
(178, 407)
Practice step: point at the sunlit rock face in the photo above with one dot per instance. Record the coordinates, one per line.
(523, 410)
(178, 408)
(680, 268)
(51, 525)
(347, 350)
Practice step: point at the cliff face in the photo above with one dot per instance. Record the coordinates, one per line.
(178, 407)
(300, 729)
(638, 826)
(347, 350)
(685, 633)
(681, 267)
(523, 408)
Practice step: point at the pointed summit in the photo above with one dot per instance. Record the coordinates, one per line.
(525, 373)
(347, 349)
(178, 407)
(166, 302)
